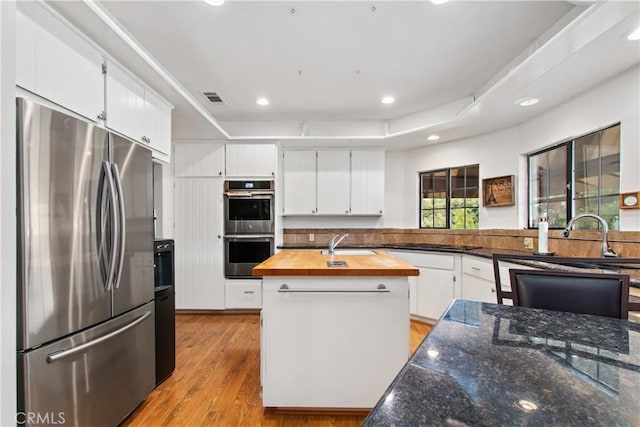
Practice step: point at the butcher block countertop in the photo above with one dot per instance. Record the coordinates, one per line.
(310, 262)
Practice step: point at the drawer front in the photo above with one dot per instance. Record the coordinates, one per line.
(426, 259)
(243, 294)
(478, 267)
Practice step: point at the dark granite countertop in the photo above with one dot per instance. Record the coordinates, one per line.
(498, 365)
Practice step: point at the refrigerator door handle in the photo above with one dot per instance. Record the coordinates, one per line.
(114, 234)
(122, 223)
(101, 229)
(63, 354)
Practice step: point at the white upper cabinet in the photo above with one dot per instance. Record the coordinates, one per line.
(137, 112)
(333, 194)
(251, 160)
(157, 124)
(367, 182)
(57, 64)
(198, 159)
(346, 182)
(125, 103)
(299, 182)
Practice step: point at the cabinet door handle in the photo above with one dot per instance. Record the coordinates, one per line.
(249, 292)
(380, 289)
(493, 291)
(475, 268)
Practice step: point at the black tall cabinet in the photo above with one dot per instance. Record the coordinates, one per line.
(165, 304)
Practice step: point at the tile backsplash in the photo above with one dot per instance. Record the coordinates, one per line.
(581, 243)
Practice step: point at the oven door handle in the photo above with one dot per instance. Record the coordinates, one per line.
(248, 236)
(254, 195)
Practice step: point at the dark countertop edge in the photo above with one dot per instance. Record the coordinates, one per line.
(479, 252)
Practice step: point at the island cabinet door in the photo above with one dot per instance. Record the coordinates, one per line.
(333, 342)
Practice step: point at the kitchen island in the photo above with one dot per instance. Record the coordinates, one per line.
(332, 336)
(488, 364)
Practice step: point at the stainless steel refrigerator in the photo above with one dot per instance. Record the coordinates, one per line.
(85, 271)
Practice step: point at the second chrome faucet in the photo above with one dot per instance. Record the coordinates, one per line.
(606, 251)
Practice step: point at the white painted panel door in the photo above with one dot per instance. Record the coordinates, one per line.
(125, 103)
(198, 208)
(251, 160)
(334, 187)
(435, 292)
(198, 159)
(157, 124)
(299, 169)
(367, 182)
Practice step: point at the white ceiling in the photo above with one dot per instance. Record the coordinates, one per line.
(455, 69)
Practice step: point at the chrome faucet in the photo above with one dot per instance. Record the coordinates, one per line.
(333, 245)
(606, 250)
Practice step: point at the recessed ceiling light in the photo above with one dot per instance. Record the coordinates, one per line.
(214, 2)
(388, 100)
(635, 35)
(439, 1)
(525, 102)
(262, 101)
(433, 137)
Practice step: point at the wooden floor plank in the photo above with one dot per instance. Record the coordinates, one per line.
(217, 379)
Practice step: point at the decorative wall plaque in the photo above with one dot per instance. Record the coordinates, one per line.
(498, 191)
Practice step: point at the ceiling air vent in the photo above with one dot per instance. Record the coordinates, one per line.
(213, 97)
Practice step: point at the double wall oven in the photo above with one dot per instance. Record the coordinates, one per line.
(248, 226)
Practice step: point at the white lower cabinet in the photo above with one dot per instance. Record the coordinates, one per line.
(436, 290)
(478, 279)
(478, 282)
(323, 349)
(436, 286)
(243, 293)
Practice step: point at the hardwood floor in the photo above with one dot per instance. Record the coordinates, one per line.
(217, 378)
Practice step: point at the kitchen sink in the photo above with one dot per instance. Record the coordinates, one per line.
(349, 252)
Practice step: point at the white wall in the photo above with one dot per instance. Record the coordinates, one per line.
(614, 101)
(7, 215)
(503, 153)
(496, 153)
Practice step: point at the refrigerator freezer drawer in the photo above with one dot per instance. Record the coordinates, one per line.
(96, 377)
